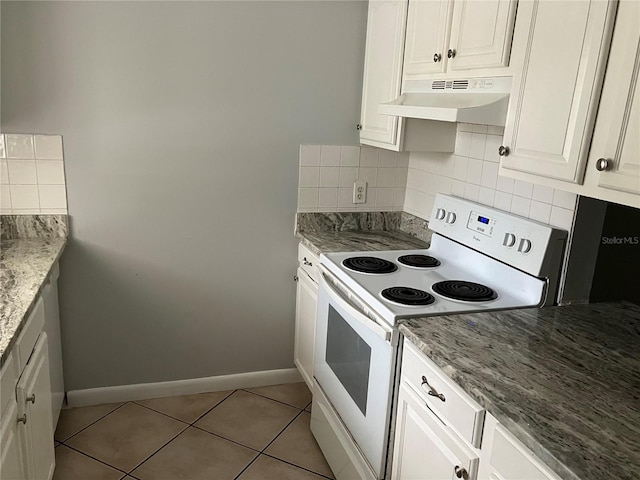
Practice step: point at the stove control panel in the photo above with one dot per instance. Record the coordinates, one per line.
(514, 240)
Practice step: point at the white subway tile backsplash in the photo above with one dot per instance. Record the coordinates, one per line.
(330, 156)
(369, 175)
(22, 172)
(403, 159)
(399, 193)
(348, 175)
(461, 164)
(52, 196)
(308, 198)
(474, 171)
(386, 177)
(491, 148)
(540, 211)
(564, 199)
(387, 158)
(50, 172)
(487, 196)
(310, 155)
(24, 197)
(502, 201)
(448, 166)
(489, 175)
(457, 187)
(561, 218)
(472, 192)
(369, 157)
(309, 177)
(542, 194)
(48, 147)
(463, 144)
(19, 146)
(465, 127)
(384, 197)
(520, 206)
(479, 128)
(478, 143)
(327, 197)
(4, 173)
(401, 176)
(523, 189)
(493, 130)
(5, 199)
(345, 198)
(349, 156)
(505, 184)
(3, 151)
(329, 177)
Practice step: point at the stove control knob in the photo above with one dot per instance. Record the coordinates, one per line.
(451, 218)
(525, 245)
(509, 240)
(440, 213)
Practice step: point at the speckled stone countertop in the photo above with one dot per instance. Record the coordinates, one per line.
(361, 231)
(564, 380)
(25, 265)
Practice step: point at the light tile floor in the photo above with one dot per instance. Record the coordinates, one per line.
(252, 434)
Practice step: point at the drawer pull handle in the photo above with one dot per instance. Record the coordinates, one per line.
(432, 391)
(460, 472)
(307, 262)
(32, 398)
(23, 419)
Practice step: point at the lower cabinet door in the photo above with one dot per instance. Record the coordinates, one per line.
(425, 448)
(34, 401)
(12, 460)
(306, 303)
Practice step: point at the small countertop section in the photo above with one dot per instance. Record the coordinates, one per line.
(25, 264)
(564, 380)
(354, 241)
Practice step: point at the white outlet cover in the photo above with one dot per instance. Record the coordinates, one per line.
(359, 191)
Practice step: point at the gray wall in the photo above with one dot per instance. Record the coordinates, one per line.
(181, 124)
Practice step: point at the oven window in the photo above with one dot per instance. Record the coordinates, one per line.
(349, 357)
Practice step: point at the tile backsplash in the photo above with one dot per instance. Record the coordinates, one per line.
(32, 179)
(327, 174)
(472, 172)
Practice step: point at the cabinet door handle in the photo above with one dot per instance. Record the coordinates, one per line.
(602, 164)
(437, 57)
(23, 419)
(503, 151)
(307, 262)
(451, 53)
(359, 126)
(32, 398)
(460, 472)
(432, 391)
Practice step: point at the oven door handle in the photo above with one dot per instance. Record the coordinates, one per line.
(369, 323)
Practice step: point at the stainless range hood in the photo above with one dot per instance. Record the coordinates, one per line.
(478, 100)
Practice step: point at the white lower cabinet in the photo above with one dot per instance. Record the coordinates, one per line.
(306, 304)
(34, 408)
(12, 461)
(425, 448)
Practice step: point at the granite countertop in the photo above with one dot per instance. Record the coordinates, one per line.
(361, 231)
(25, 265)
(564, 380)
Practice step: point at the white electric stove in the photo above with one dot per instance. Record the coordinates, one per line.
(480, 259)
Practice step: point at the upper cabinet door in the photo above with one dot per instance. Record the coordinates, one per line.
(556, 87)
(481, 33)
(614, 161)
(383, 72)
(428, 24)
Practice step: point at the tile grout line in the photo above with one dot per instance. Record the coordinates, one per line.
(279, 401)
(298, 466)
(92, 423)
(156, 451)
(93, 458)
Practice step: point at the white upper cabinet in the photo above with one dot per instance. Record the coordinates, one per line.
(447, 38)
(613, 169)
(481, 33)
(382, 79)
(556, 87)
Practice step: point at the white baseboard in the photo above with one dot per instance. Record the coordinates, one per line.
(125, 393)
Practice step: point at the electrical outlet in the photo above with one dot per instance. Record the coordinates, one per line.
(359, 191)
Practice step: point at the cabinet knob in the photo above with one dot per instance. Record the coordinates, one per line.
(432, 391)
(23, 419)
(602, 164)
(460, 472)
(437, 57)
(451, 53)
(32, 398)
(307, 262)
(503, 151)
(358, 127)
(295, 278)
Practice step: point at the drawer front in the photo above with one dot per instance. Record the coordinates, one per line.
(8, 380)
(308, 262)
(455, 408)
(29, 336)
(512, 460)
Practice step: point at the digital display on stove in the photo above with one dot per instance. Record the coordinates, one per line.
(481, 224)
(482, 219)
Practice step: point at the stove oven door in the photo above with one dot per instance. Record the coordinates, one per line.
(354, 365)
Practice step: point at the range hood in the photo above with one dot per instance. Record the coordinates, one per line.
(478, 100)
